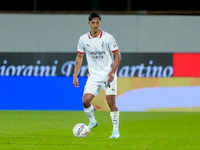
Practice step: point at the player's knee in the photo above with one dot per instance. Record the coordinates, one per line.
(86, 100)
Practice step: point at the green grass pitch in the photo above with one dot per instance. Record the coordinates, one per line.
(52, 130)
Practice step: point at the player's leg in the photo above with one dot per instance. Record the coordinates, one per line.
(111, 102)
(89, 110)
(87, 98)
(88, 107)
(114, 114)
(91, 90)
(110, 89)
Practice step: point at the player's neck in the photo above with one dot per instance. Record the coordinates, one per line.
(95, 34)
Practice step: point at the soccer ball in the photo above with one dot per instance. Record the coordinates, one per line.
(81, 130)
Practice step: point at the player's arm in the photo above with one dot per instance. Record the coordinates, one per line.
(117, 60)
(78, 63)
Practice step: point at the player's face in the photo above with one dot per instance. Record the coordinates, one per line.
(95, 24)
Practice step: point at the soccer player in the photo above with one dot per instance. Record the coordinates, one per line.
(103, 58)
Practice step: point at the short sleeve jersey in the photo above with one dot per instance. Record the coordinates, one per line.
(99, 54)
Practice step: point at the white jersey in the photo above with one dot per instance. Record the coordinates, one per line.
(99, 54)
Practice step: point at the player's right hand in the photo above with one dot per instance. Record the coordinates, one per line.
(75, 81)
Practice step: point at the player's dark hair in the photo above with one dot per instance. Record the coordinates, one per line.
(94, 15)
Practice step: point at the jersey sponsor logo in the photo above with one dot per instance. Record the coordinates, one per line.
(97, 54)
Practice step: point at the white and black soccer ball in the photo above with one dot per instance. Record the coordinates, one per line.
(80, 130)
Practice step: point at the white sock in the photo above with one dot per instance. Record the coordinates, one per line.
(115, 120)
(90, 113)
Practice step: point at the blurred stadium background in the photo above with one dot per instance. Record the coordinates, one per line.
(159, 42)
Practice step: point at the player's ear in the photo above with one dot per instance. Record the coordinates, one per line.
(89, 23)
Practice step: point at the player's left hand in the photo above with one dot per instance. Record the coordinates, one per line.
(111, 76)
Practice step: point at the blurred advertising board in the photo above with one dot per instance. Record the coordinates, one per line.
(146, 82)
(186, 64)
(40, 93)
(154, 94)
(62, 64)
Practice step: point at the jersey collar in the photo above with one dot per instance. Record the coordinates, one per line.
(100, 35)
